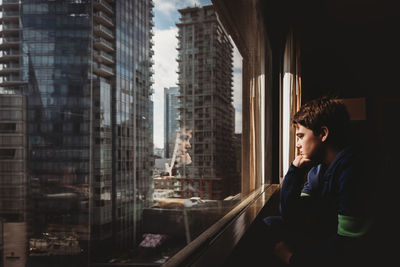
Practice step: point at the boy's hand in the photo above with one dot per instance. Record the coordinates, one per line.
(301, 162)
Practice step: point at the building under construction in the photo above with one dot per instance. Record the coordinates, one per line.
(206, 109)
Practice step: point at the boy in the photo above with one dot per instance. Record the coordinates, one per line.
(324, 222)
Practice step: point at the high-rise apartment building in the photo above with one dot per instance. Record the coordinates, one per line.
(13, 178)
(171, 125)
(206, 112)
(78, 77)
(13, 155)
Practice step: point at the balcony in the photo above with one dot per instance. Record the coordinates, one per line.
(9, 55)
(102, 5)
(9, 42)
(103, 18)
(9, 16)
(151, 62)
(9, 3)
(102, 70)
(104, 32)
(103, 44)
(103, 57)
(151, 71)
(10, 28)
(11, 80)
(9, 68)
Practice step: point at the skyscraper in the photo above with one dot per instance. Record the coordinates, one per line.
(206, 112)
(170, 119)
(83, 70)
(13, 177)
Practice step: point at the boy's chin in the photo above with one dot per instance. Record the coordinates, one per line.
(314, 160)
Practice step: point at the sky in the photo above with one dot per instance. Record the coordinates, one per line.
(165, 65)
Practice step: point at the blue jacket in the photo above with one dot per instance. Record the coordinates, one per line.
(330, 208)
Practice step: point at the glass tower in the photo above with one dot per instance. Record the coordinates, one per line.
(79, 74)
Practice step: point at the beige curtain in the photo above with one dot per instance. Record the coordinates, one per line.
(290, 101)
(253, 153)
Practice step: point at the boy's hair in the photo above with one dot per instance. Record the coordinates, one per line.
(327, 112)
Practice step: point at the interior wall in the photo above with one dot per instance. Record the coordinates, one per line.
(348, 50)
(353, 51)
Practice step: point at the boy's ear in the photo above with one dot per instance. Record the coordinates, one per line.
(324, 133)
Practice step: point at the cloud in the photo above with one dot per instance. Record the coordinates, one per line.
(165, 66)
(165, 7)
(237, 89)
(168, 7)
(165, 54)
(237, 100)
(238, 121)
(237, 58)
(237, 79)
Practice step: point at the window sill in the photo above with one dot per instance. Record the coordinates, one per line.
(212, 247)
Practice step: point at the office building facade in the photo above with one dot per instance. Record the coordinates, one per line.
(82, 71)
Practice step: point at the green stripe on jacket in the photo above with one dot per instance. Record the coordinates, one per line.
(353, 226)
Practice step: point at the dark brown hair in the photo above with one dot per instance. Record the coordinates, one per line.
(325, 111)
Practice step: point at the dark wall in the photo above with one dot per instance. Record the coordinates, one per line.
(346, 55)
(351, 50)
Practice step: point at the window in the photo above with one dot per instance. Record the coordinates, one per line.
(7, 153)
(131, 143)
(201, 118)
(290, 96)
(8, 127)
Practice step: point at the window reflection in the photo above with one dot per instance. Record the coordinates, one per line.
(80, 179)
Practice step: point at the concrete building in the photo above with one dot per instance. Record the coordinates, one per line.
(13, 179)
(81, 74)
(206, 112)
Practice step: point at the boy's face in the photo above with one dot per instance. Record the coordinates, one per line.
(307, 143)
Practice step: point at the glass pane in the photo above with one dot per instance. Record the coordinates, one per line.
(120, 129)
(197, 172)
